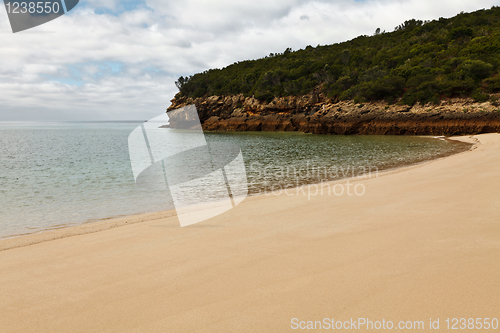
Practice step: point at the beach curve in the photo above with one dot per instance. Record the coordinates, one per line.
(422, 242)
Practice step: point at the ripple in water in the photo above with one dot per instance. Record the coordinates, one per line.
(55, 174)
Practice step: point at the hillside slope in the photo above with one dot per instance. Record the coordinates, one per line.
(438, 77)
(419, 61)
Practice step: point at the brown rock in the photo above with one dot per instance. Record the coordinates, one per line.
(314, 113)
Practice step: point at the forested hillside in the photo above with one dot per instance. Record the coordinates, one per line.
(417, 62)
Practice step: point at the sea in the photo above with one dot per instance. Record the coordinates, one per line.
(59, 174)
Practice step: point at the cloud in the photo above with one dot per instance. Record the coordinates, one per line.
(119, 59)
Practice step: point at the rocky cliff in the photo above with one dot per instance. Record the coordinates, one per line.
(314, 113)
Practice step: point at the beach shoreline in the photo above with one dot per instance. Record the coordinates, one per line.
(70, 230)
(421, 245)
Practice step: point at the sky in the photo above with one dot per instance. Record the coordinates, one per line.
(119, 60)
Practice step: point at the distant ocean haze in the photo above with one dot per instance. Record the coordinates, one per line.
(68, 173)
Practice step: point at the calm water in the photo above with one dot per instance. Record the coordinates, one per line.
(54, 174)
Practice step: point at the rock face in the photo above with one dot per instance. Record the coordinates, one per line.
(316, 114)
(184, 120)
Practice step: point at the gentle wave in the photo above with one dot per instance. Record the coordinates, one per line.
(67, 173)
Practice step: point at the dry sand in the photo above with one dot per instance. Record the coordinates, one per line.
(422, 242)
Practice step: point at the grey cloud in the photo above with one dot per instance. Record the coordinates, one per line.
(172, 38)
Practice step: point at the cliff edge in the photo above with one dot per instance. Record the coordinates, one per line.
(313, 113)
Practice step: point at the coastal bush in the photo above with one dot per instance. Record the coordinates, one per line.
(456, 87)
(417, 62)
(479, 96)
(492, 84)
(477, 69)
(461, 32)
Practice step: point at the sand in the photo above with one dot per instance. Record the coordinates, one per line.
(422, 242)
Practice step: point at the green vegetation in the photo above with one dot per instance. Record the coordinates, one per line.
(417, 62)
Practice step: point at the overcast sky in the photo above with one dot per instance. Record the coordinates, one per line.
(118, 60)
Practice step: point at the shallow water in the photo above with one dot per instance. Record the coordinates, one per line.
(71, 172)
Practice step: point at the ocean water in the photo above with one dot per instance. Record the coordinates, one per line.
(68, 173)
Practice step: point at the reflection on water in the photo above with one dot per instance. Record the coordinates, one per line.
(284, 160)
(69, 173)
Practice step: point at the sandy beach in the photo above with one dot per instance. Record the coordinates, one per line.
(421, 244)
